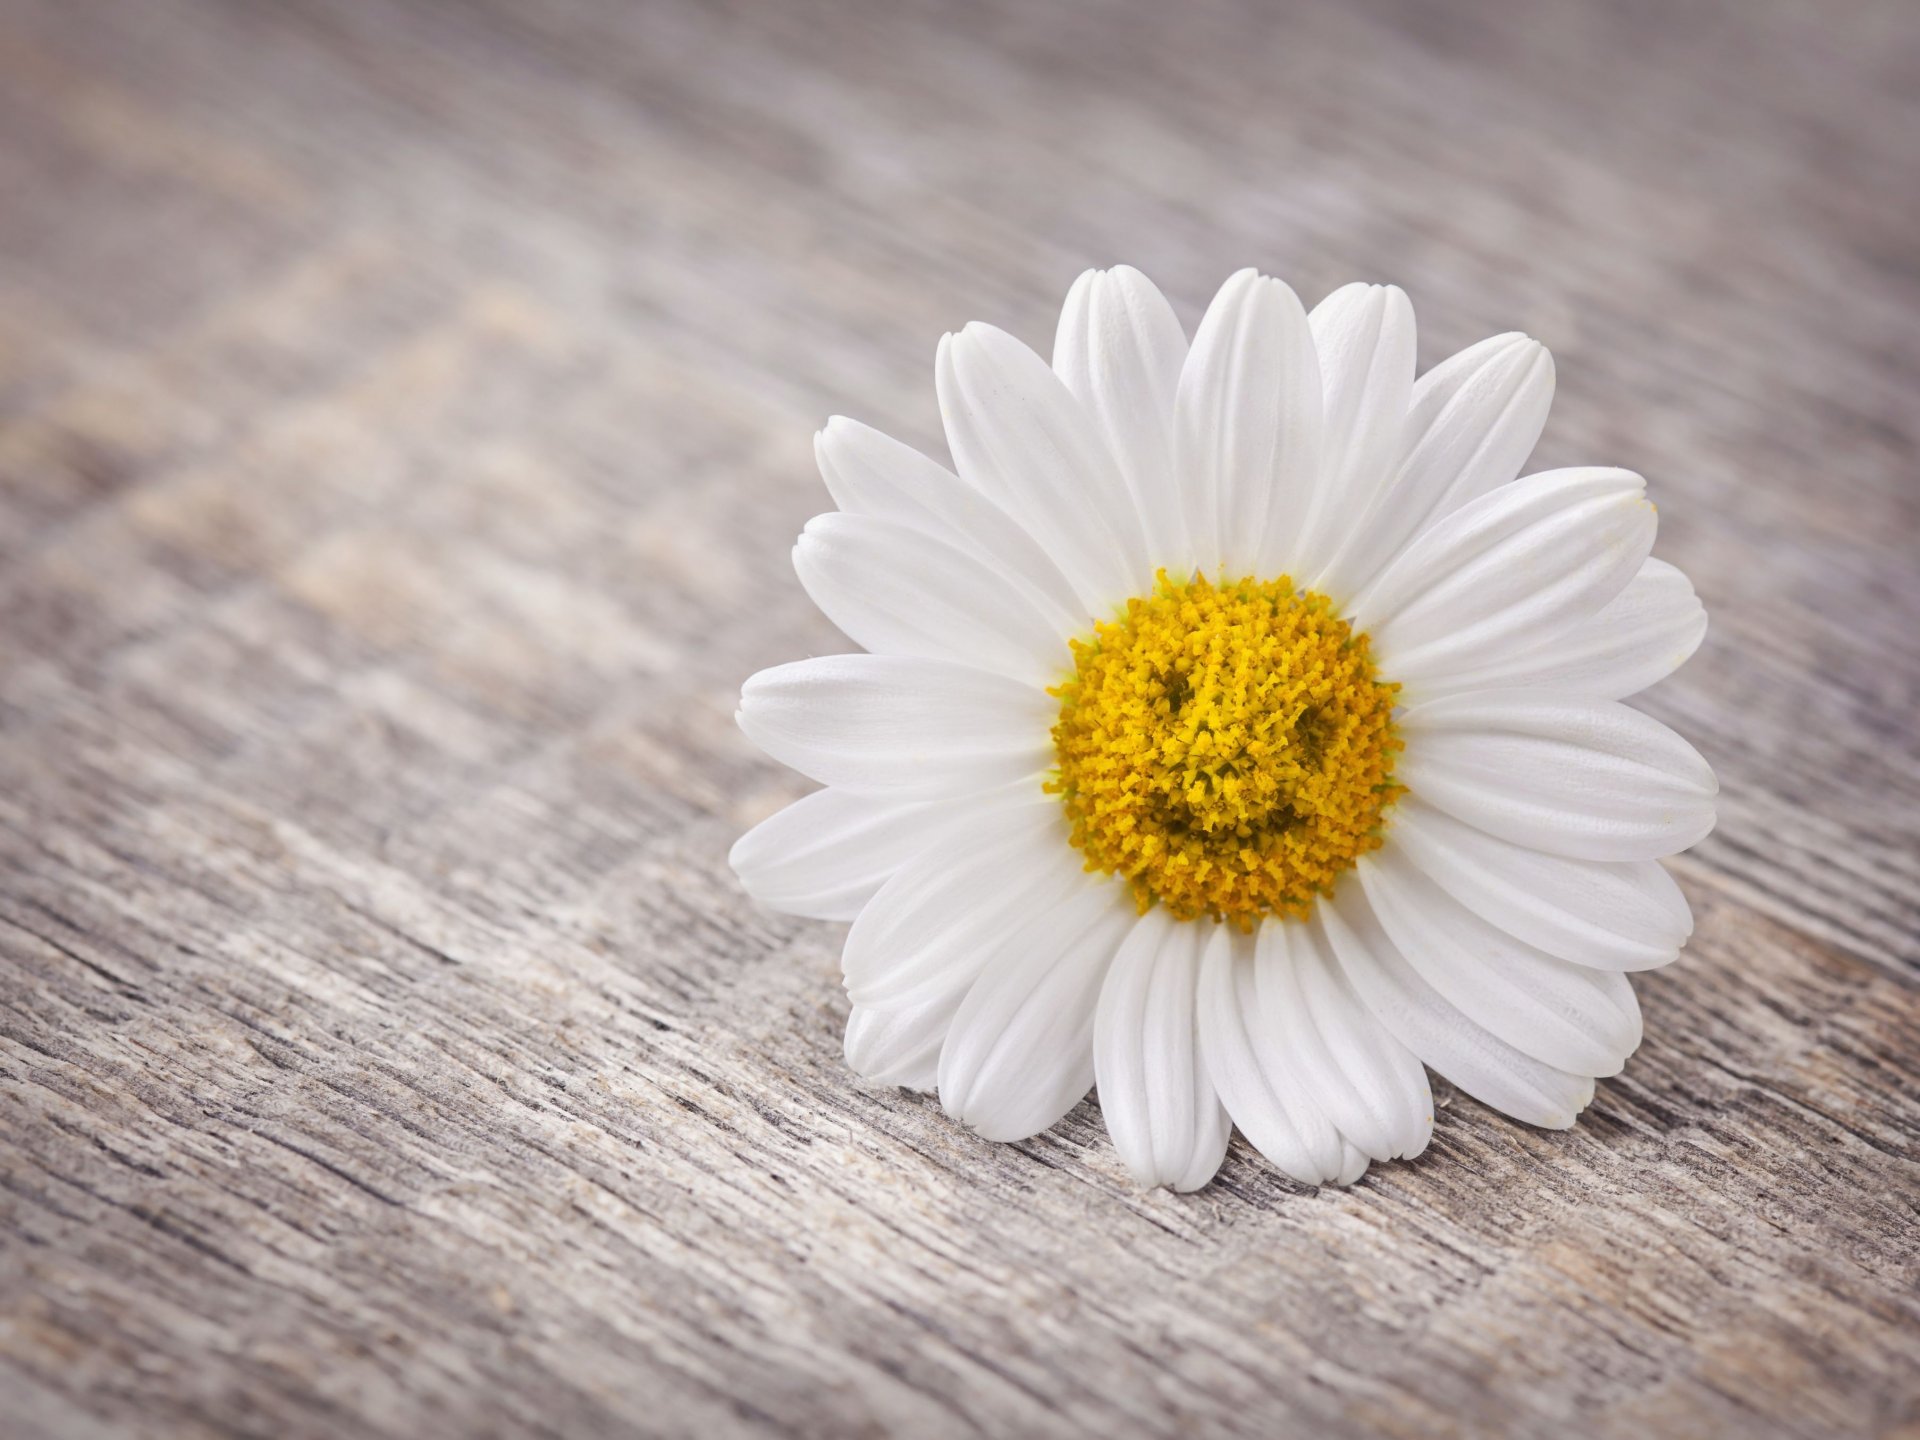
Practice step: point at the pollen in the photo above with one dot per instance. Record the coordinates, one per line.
(1225, 748)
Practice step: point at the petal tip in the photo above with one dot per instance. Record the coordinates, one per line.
(740, 859)
(1083, 282)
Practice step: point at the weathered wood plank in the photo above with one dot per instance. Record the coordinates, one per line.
(404, 418)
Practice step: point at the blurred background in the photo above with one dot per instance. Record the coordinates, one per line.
(405, 416)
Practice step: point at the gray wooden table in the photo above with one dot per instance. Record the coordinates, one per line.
(405, 414)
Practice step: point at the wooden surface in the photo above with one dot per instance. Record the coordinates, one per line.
(405, 414)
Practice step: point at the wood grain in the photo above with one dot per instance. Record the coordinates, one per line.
(404, 418)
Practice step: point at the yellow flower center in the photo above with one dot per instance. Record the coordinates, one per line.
(1226, 749)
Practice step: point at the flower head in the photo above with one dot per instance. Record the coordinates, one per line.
(1238, 733)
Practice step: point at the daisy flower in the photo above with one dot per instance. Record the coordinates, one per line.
(1239, 733)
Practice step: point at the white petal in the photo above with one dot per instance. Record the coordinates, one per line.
(1573, 1018)
(826, 854)
(1020, 1053)
(901, 591)
(1627, 915)
(1364, 336)
(869, 473)
(1588, 779)
(1474, 420)
(1246, 1060)
(940, 911)
(1517, 567)
(1369, 1085)
(911, 727)
(1641, 636)
(1480, 1063)
(1021, 438)
(1119, 349)
(1165, 1120)
(900, 1044)
(917, 948)
(1353, 1163)
(916, 951)
(1247, 427)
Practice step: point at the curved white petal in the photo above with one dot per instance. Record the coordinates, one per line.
(1473, 421)
(1517, 567)
(1119, 350)
(1165, 1120)
(826, 854)
(1247, 427)
(869, 473)
(1625, 915)
(924, 941)
(1364, 336)
(900, 1044)
(1020, 1052)
(1020, 437)
(940, 911)
(900, 591)
(914, 991)
(1353, 1163)
(1247, 1062)
(1641, 636)
(1584, 778)
(916, 950)
(1366, 1082)
(1573, 1018)
(1423, 1020)
(911, 727)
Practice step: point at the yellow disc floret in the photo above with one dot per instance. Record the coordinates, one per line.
(1225, 748)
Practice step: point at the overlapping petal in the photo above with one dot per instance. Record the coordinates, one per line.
(1019, 1054)
(1638, 638)
(1020, 438)
(1592, 780)
(917, 949)
(1368, 1084)
(1158, 1100)
(1571, 1017)
(941, 909)
(1364, 338)
(900, 591)
(1436, 1030)
(869, 473)
(913, 728)
(1517, 567)
(1247, 427)
(1624, 915)
(900, 1044)
(1247, 1060)
(826, 854)
(1473, 421)
(1119, 350)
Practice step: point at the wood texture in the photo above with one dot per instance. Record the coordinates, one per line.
(404, 418)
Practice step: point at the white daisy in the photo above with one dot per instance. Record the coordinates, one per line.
(1238, 734)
